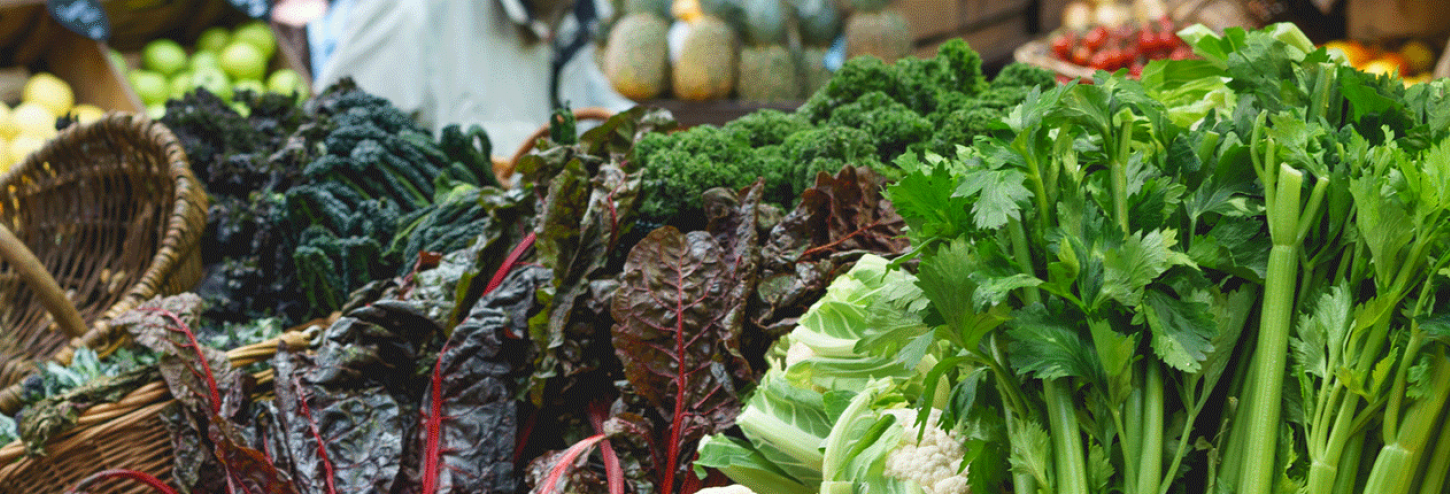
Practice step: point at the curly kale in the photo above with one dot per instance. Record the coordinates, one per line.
(961, 117)
(767, 127)
(868, 114)
(889, 125)
(917, 84)
(1024, 75)
(679, 167)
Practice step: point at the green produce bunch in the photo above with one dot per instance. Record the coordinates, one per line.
(375, 167)
(869, 113)
(307, 201)
(1229, 276)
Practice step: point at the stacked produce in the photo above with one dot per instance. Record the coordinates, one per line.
(32, 121)
(1225, 278)
(222, 61)
(495, 359)
(877, 30)
(307, 202)
(1102, 48)
(1411, 60)
(768, 70)
(753, 50)
(1112, 35)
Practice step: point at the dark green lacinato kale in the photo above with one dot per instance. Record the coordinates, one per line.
(376, 172)
(447, 225)
(869, 113)
(244, 162)
(306, 200)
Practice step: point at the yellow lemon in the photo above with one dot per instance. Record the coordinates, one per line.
(32, 118)
(5, 161)
(49, 91)
(8, 129)
(1419, 55)
(22, 146)
(87, 113)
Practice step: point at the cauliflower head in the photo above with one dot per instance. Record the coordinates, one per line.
(933, 462)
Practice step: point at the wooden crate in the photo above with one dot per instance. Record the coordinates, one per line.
(994, 41)
(30, 41)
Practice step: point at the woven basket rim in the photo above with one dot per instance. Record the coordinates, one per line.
(148, 399)
(184, 221)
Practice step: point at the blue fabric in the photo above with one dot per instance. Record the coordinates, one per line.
(324, 33)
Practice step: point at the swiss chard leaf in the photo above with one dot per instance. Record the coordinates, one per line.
(344, 418)
(838, 219)
(677, 335)
(474, 400)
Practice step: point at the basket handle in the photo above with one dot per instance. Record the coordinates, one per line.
(505, 169)
(34, 274)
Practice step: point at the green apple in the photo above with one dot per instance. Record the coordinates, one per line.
(241, 109)
(117, 59)
(181, 84)
(258, 34)
(151, 86)
(213, 80)
(287, 81)
(213, 39)
(204, 59)
(243, 61)
(164, 56)
(156, 111)
(253, 85)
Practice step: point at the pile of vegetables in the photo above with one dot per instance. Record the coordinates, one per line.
(869, 113)
(543, 321)
(308, 203)
(1224, 278)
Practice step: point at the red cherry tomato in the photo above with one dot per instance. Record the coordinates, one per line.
(1081, 55)
(1062, 46)
(1103, 60)
(1181, 53)
(1095, 39)
(1147, 41)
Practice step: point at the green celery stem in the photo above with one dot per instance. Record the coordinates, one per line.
(1022, 482)
(1324, 469)
(1321, 478)
(1261, 419)
(1132, 433)
(1438, 468)
(1394, 469)
(1066, 438)
(1349, 466)
(1150, 455)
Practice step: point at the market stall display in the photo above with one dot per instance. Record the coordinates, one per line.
(1159, 257)
(758, 51)
(223, 61)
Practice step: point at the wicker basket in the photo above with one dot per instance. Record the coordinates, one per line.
(126, 434)
(503, 168)
(115, 215)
